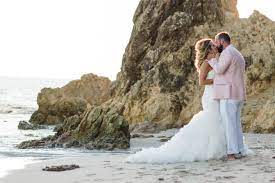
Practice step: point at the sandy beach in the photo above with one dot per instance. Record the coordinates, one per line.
(111, 167)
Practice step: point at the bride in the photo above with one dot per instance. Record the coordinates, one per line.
(204, 137)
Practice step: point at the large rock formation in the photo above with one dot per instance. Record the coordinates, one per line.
(101, 127)
(59, 103)
(158, 84)
(157, 78)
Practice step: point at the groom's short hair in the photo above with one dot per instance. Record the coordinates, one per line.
(224, 36)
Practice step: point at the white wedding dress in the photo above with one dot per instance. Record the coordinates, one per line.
(203, 138)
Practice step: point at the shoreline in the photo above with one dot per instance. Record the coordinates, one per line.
(111, 167)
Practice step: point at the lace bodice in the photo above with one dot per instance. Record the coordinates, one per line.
(207, 99)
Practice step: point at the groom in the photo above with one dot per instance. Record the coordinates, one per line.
(229, 89)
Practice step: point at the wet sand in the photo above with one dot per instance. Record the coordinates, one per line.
(111, 167)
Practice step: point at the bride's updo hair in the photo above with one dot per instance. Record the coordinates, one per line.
(202, 48)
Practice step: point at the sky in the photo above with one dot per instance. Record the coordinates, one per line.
(68, 38)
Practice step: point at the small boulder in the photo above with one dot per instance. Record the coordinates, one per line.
(42, 143)
(165, 139)
(24, 125)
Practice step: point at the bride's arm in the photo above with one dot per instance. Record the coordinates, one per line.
(204, 69)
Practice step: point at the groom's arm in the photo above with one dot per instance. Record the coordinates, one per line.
(222, 65)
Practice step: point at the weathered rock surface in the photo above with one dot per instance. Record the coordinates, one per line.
(42, 143)
(230, 8)
(101, 127)
(265, 121)
(141, 136)
(259, 112)
(59, 103)
(24, 125)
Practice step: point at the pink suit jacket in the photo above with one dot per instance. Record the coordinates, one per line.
(229, 75)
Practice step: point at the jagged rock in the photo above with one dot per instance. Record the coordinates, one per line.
(61, 168)
(24, 125)
(101, 127)
(59, 103)
(165, 139)
(141, 136)
(44, 142)
(104, 128)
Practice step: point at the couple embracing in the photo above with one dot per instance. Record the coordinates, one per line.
(216, 131)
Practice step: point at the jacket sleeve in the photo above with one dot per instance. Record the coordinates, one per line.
(222, 65)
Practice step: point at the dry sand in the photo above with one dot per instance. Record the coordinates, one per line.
(111, 167)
